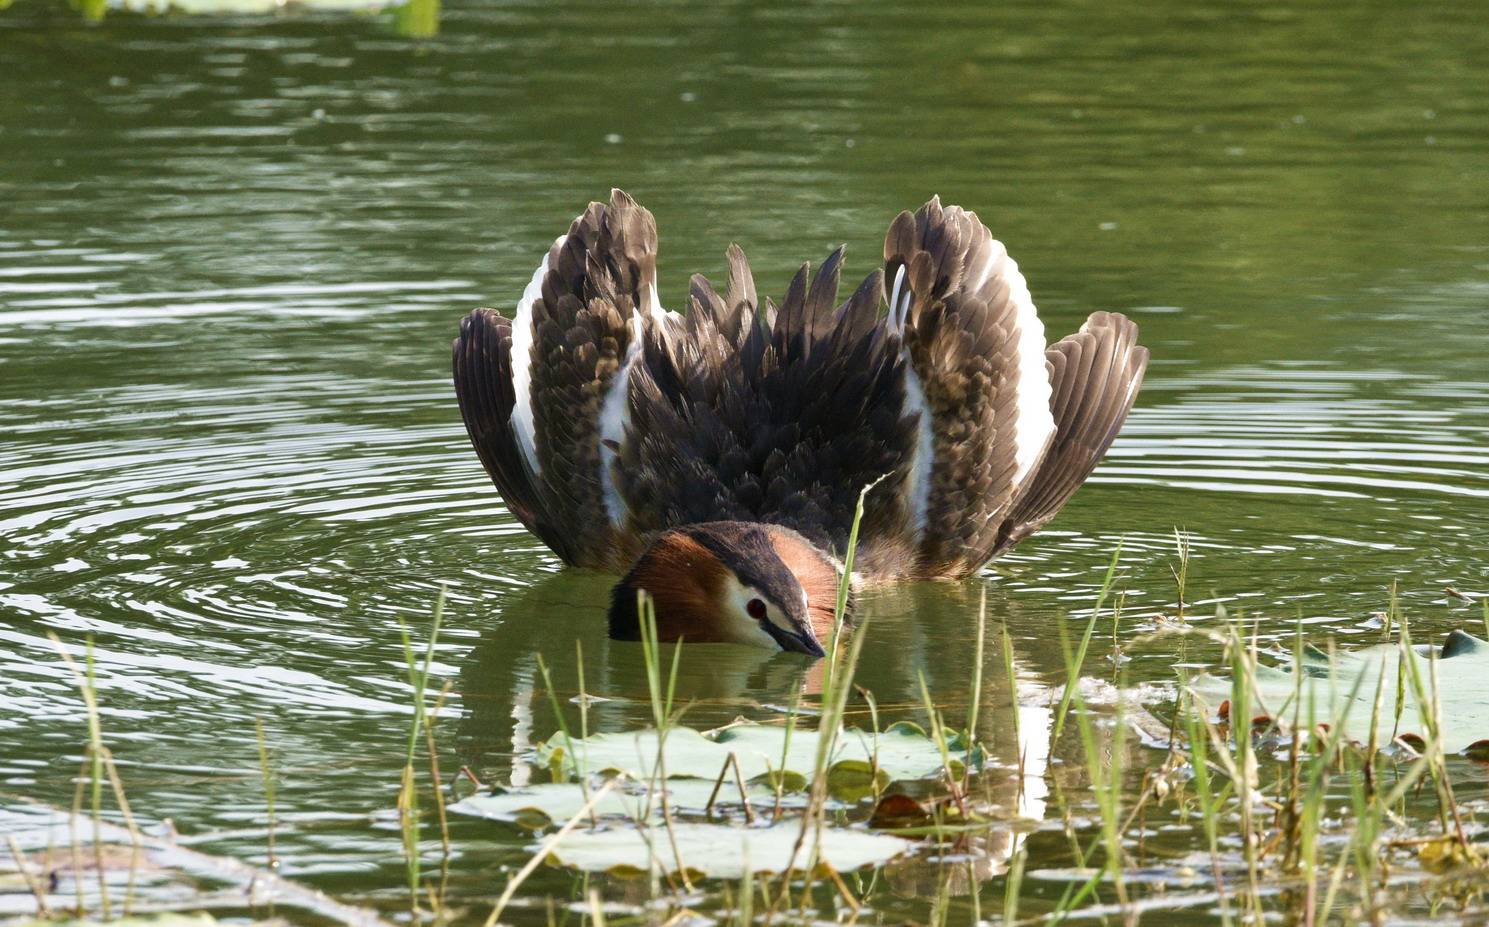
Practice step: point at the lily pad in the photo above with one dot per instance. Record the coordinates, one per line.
(902, 751)
(538, 806)
(721, 851)
(900, 811)
(860, 761)
(1342, 691)
(689, 754)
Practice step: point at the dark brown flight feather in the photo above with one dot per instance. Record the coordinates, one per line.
(482, 362)
(781, 425)
(599, 275)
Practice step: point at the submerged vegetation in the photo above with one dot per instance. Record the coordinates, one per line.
(1238, 795)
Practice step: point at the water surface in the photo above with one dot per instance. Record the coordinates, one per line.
(233, 252)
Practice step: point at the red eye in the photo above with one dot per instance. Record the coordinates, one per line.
(756, 608)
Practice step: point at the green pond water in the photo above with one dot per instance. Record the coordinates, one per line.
(233, 252)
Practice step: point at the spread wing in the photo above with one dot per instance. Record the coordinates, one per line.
(1008, 429)
(977, 375)
(603, 419)
(1095, 375)
(482, 362)
(540, 393)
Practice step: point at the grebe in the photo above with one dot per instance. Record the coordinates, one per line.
(716, 457)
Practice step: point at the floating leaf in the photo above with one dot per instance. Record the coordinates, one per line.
(786, 780)
(721, 851)
(901, 752)
(689, 754)
(855, 780)
(1343, 691)
(538, 806)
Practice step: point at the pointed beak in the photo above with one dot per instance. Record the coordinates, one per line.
(798, 641)
(810, 646)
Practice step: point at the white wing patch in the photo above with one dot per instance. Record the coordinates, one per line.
(896, 312)
(615, 416)
(1035, 425)
(522, 363)
(615, 410)
(658, 314)
(919, 490)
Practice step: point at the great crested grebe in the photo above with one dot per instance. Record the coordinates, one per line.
(716, 457)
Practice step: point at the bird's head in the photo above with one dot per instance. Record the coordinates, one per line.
(731, 582)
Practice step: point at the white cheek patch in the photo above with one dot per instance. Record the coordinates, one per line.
(737, 623)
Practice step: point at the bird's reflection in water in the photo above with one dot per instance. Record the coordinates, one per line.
(508, 709)
(930, 630)
(915, 630)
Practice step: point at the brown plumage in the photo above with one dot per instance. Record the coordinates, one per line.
(683, 578)
(818, 577)
(615, 429)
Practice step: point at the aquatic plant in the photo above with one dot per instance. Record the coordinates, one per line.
(1265, 757)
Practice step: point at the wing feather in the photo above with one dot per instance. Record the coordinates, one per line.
(482, 364)
(540, 394)
(975, 348)
(604, 419)
(1096, 374)
(781, 421)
